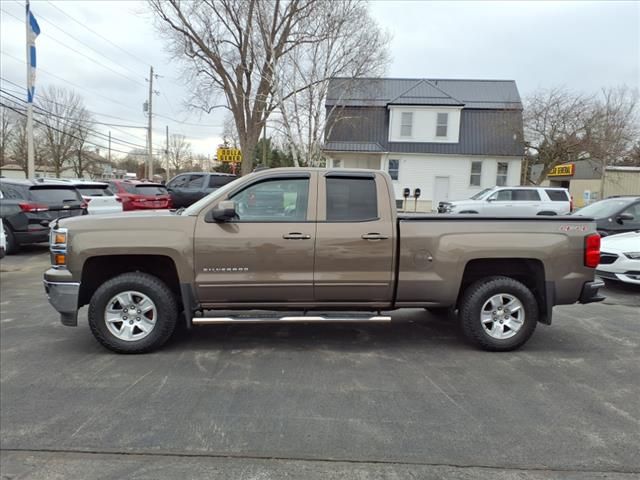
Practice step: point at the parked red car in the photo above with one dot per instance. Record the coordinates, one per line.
(137, 195)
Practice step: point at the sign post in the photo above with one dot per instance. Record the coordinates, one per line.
(230, 155)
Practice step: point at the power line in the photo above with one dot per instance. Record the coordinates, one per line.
(97, 34)
(23, 89)
(80, 53)
(44, 111)
(60, 131)
(69, 82)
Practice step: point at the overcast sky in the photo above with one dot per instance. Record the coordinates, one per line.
(581, 45)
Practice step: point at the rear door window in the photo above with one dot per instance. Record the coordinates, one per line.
(55, 195)
(217, 181)
(195, 181)
(351, 199)
(557, 195)
(525, 195)
(12, 191)
(151, 190)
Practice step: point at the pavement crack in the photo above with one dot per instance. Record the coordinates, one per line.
(239, 456)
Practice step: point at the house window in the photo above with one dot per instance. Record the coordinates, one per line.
(476, 174)
(441, 124)
(337, 163)
(503, 169)
(394, 169)
(406, 124)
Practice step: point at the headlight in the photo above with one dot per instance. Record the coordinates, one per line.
(633, 255)
(58, 247)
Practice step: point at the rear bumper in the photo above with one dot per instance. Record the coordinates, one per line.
(63, 296)
(589, 292)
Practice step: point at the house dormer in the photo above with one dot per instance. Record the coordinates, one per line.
(422, 124)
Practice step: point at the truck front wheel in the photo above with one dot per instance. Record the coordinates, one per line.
(133, 313)
(498, 313)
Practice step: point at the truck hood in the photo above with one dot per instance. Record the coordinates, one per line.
(125, 220)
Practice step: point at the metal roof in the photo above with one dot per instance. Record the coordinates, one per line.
(353, 147)
(376, 92)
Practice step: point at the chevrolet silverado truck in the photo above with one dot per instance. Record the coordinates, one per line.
(315, 245)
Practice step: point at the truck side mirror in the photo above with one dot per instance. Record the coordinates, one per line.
(491, 199)
(224, 211)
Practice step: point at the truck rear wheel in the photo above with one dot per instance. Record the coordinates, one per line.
(498, 313)
(133, 313)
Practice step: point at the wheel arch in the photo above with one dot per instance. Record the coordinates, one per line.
(528, 271)
(98, 269)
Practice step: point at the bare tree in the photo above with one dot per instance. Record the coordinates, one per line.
(555, 125)
(6, 133)
(229, 133)
(82, 161)
(179, 151)
(237, 48)
(354, 47)
(17, 145)
(61, 125)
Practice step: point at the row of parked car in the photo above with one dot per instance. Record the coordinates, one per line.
(617, 220)
(28, 206)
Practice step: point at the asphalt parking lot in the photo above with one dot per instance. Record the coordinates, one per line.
(407, 400)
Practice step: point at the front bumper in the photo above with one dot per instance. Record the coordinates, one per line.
(589, 292)
(63, 296)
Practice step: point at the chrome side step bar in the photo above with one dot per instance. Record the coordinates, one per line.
(290, 319)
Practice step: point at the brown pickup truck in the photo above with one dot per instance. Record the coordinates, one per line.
(327, 244)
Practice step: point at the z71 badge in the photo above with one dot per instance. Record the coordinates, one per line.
(225, 269)
(574, 228)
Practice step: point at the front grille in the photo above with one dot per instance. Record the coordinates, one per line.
(607, 258)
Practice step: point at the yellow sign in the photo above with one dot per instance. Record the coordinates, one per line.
(566, 170)
(229, 155)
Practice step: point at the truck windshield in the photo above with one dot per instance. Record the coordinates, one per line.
(196, 207)
(481, 194)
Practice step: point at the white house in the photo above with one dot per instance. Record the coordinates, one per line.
(449, 138)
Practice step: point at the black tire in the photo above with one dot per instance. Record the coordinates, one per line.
(473, 300)
(156, 290)
(13, 246)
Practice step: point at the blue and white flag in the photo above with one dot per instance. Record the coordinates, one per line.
(33, 30)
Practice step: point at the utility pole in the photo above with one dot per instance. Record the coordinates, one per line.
(109, 147)
(31, 168)
(149, 168)
(264, 144)
(166, 153)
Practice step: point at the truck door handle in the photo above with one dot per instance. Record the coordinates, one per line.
(296, 236)
(374, 236)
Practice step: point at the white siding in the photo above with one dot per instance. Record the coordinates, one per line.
(424, 124)
(419, 171)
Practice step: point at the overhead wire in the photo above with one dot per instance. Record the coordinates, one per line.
(60, 131)
(79, 52)
(96, 132)
(67, 121)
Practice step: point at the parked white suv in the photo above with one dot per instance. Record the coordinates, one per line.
(513, 202)
(100, 199)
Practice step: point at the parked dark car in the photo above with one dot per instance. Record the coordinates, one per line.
(137, 195)
(188, 188)
(614, 215)
(29, 206)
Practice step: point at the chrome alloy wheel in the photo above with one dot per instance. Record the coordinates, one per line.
(502, 316)
(130, 316)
